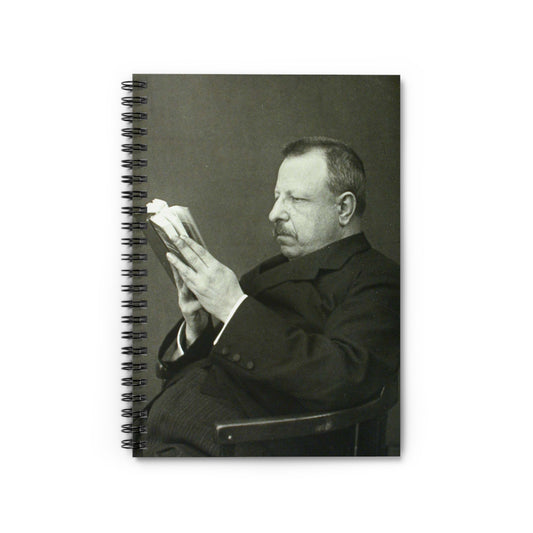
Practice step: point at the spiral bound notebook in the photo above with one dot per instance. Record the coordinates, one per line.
(261, 265)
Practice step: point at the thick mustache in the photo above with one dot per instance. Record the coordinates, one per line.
(279, 231)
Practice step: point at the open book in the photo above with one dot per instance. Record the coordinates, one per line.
(165, 224)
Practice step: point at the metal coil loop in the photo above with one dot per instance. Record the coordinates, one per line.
(130, 226)
(133, 398)
(130, 210)
(131, 444)
(133, 382)
(134, 147)
(129, 85)
(134, 257)
(134, 304)
(131, 195)
(135, 272)
(130, 101)
(134, 288)
(131, 241)
(134, 179)
(130, 350)
(131, 428)
(134, 366)
(130, 117)
(134, 335)
(134, 163)
(132, 132)
(130, 413)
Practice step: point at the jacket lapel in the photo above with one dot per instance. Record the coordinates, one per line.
(279, 270)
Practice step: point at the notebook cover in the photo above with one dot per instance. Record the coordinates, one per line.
(213, 143)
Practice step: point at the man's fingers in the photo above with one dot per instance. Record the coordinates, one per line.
(180, 230)
(198, 249)
(185, 272)
(175, 274)
(190, 256)
(173, 220)
(177, 280)
(183, 291)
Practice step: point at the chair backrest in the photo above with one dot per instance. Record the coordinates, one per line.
(358, 430)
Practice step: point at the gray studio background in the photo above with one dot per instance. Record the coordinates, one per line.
(214, 145)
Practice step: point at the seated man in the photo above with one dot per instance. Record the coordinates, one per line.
(313, 329)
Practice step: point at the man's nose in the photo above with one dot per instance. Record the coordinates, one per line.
(278, 212)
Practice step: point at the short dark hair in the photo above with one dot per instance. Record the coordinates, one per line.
(345, 169)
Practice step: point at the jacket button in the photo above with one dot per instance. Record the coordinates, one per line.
(250, 365)
(224, 350)
(160, 370)
(236, 357)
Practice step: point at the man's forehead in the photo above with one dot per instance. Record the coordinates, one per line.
(308, 170)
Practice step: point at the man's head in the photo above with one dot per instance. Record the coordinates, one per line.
(319, 195)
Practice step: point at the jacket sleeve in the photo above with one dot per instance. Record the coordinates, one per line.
(347, 363)
(168, 369)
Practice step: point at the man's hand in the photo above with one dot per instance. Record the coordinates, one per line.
(195, 316)
(215, 286)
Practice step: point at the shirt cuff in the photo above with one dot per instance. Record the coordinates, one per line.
(179, 338)
(232, 312)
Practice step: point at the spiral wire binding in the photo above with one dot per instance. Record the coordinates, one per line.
(136, 259)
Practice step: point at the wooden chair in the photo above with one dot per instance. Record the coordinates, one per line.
(356, 431)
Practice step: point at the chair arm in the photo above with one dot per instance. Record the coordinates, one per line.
(284, 427)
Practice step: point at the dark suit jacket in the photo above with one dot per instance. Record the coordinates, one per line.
(316, 333)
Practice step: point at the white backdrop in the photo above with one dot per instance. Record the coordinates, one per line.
(467, 359)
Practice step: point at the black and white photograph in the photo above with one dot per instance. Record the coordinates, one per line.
(272, 286)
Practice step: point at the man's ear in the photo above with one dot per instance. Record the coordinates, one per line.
(346, 204)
